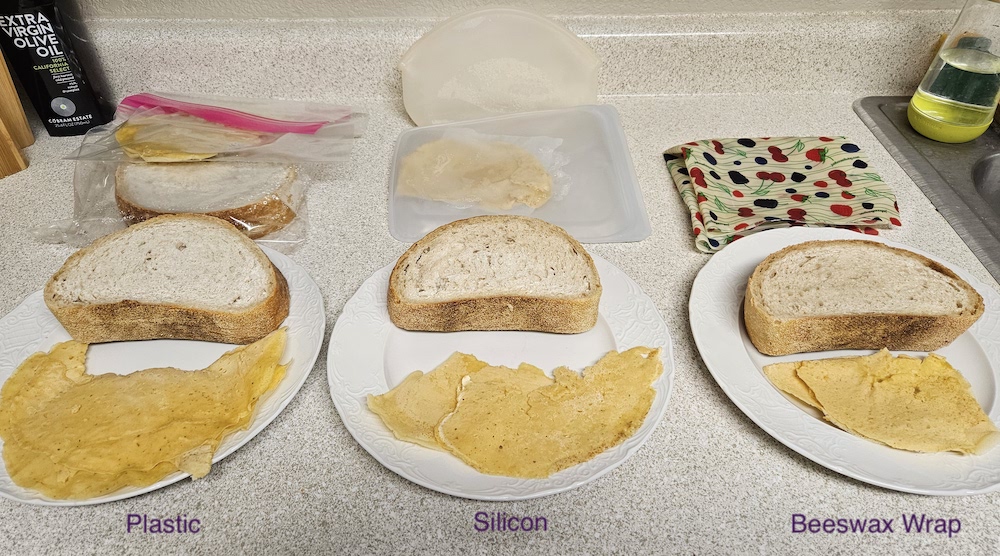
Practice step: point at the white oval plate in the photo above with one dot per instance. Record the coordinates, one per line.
(717, 324)
(31, 327)
(369, 355)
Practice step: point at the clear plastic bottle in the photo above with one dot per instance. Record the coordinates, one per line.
(958, 96)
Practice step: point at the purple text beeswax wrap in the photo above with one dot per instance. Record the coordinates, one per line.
(735, 187)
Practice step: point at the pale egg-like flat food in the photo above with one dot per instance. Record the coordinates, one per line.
(73, 435)
(490, 174)
(520, 422)
(523, 425)
(413, 409)
(182, 138)
(153, 151)
(903, 402)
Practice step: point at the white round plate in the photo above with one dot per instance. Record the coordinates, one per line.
(31, 328)
(369, 355)
(717, 324)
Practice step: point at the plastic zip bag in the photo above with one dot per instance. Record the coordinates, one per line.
(181, 128)
(248, 162)
(270, 209)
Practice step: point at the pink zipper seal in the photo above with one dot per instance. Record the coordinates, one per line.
(225, 116)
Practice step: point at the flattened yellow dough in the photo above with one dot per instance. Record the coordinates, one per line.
(69, 434)
(783, 376)
(903, 402)
(906, 403)
(520, 423)
(413, 409)
(490, 174)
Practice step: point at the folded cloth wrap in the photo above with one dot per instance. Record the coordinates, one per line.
(735, 187)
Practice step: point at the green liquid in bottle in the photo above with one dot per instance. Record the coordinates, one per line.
(956, 101)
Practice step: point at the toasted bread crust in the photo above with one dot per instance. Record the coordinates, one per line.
(268, 215)
(132, 320)
(509, 312)
(774, 336)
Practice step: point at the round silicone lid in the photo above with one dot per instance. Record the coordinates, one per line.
(496, 61)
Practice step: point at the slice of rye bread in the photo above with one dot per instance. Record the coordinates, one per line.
(855, 294)
(180, 276)
(495, 273)
(254, 197)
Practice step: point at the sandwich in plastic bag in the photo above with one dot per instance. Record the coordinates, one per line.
(249, 162)
(184, 128)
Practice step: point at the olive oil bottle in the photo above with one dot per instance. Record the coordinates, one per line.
(50, 51)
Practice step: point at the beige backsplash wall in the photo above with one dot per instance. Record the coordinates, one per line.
(336, 59)
(283, 9)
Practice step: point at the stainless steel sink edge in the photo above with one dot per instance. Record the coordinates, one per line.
(983, 243)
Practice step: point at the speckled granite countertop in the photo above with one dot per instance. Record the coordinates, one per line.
(708, 480)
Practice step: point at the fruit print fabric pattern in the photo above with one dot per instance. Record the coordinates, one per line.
(735, 187)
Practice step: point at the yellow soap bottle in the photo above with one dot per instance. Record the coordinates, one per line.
(957, 98)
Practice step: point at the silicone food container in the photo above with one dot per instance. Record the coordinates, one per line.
(603, 203)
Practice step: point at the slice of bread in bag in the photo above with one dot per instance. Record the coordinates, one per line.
(254, 197)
